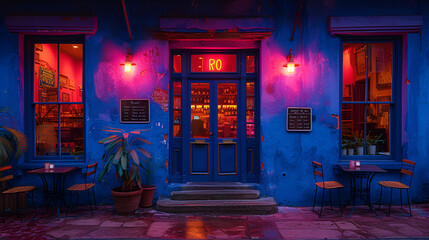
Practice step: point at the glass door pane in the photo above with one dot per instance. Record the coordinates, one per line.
(200, 110)
(227, 110)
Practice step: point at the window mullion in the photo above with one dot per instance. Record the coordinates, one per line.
(58, 100)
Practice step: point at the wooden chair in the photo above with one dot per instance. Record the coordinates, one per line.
(407, 171)
(329, 185)
(14, 191)
(85, 187)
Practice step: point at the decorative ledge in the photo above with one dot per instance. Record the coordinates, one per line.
(359, 25)
(215, 28)
(52, 25)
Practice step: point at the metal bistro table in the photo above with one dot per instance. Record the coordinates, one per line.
(358, 174)
(55, 191)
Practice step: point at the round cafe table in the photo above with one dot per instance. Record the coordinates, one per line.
(53, 189)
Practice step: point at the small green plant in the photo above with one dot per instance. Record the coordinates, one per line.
(359, 139)
(373, 139)
(122, 149)
(13, 143)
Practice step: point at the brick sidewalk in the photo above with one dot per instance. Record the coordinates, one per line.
(288, 223)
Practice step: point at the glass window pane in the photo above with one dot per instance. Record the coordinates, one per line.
(177, 88)
(380, 72)
(213, 63)
(250, 88)
(177, 123)
(200, 110)
(45, 72)
(177, 130)
(227, 110)
(250, 64)
(378, 129)
(70, 78)
(177, 63)
(177, 102)
(353, 128)
(71, 129)
(250, 102)
(354, 71)
(250, 130)
(46, 129)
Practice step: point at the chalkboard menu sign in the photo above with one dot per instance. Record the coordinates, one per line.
(46, 77)
(135, 111)
(298, 119)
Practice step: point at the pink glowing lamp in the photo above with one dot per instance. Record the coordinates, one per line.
(290, 65)
(128, 63)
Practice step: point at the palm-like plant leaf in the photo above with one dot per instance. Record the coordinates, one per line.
(119, 151)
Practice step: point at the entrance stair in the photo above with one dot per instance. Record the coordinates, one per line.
(217, 197)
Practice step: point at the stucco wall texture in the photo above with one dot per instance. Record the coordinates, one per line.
(315, 84)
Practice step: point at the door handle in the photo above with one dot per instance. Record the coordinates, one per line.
(211, 133)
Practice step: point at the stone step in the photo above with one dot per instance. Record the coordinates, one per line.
(259, 206)
(215, 194)
(216, 186)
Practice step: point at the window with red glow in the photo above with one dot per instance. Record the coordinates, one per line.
(214, 63)
(58, 100)
(367, 100)
(250, 109)
(177, 109)
(250, 64)
(177, 63)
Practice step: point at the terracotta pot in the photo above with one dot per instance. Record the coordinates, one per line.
(126, 202)
(147, 195)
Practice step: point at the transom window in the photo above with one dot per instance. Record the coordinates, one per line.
(369, 104)
(57, 100)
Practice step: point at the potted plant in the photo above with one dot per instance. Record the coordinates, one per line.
(13, 144)
(122, 150)
(360, 142)
(372, 140)
(148, 189)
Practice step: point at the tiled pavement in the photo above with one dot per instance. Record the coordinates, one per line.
(288, 223)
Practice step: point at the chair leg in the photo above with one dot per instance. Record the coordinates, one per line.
(339, 202)
(409, 203)
(95, 200)
(70, 203)
(323, 199)
(314, 201)
(330, 198)
(18, 205)
(381, 194)
(390, 204)
(400, 196)
(77, 201)
(89, 199)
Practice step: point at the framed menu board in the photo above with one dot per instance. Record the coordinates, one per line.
(299, 119)
(135, 111)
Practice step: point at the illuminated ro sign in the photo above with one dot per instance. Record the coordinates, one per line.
(214, 63)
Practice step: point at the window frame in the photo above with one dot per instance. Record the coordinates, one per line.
(395, 103)
(30, 104)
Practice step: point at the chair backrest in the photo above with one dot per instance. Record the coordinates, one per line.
(4, 178)
(407, 170)
(318, 172)
(91, 170)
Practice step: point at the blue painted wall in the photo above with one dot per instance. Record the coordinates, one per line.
(315, 84)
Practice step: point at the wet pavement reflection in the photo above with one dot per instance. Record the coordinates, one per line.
(288, 223)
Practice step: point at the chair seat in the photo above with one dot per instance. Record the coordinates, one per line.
(81, 187)
(330, 184)
(393, 184)
(21, 189)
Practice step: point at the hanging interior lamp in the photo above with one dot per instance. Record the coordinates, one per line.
(290, 65)
(128, 63)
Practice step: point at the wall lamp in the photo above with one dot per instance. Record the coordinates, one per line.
(290, 65)
(128, 63)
